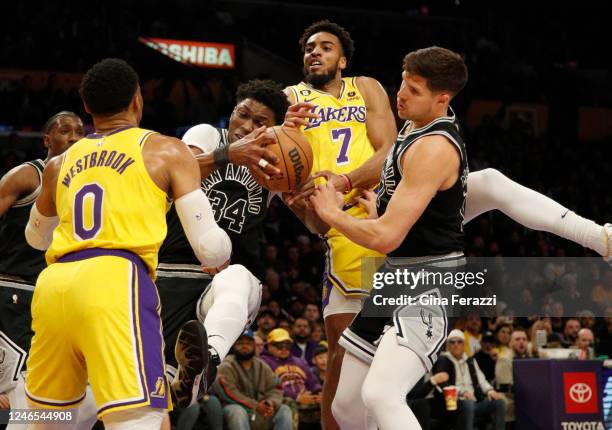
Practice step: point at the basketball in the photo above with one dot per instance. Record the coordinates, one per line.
(295, 159)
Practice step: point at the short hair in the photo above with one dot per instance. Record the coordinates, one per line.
(444, 69)
(109, 86)
(52, 122)
(348, 46)
(266, 92)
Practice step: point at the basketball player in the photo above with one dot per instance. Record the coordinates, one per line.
(321, 100)
(19, 263)
(230, 167)
(101, 216)
(420, 206)
(350, 136)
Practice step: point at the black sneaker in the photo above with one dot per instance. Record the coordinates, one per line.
(191, 352)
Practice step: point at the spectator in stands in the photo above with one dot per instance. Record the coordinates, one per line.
(584, 345)
(259, 345)
(302, 346)
(319, 358)
(477, 398)
(487, 356)
(473, 327)
(570, 332)
(553, 339)
(297, 381)
(519, 348)
(318, 332)
(502, 338)
(249, 390)
(603, 344)
(266, 322)
(312, 313)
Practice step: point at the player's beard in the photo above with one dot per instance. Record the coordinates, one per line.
(244, 357)
(318, 80)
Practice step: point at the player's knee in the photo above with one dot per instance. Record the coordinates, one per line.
(341, 406)
(234, 275)
(374, 394)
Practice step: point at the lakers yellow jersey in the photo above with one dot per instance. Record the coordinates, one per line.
(340, 144)
(106, 199)
(339, 138)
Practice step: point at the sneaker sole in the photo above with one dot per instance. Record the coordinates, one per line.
(191, 351)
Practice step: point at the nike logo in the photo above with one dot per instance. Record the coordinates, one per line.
(566, 212)
(309, 100)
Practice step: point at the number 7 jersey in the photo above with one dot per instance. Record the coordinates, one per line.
(339, 138)
(105, 198)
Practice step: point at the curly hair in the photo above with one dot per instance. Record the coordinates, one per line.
(108, 86)
(348, 46)
(266, 92)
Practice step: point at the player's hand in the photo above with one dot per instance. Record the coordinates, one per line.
(309, 187)
(212, 271)
(4, 402)
(367, 200)
(326, 202)
(249, 150)
(298, 115)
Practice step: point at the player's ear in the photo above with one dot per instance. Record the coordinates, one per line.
(444, 97)
(86, 108)
(46, 141)
(342, 63)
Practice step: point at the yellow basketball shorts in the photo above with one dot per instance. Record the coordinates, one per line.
(96, 317)
(343, 270)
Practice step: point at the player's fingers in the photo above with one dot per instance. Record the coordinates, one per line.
(264, 139)
(323, 174)
(258, 173)
(369, 195)
(269, 156)
(299, 106)
(255, 133)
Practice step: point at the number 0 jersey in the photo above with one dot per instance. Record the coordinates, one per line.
(106, 199)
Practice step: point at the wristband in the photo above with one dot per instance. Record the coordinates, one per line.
(347, 184)
(221, 156)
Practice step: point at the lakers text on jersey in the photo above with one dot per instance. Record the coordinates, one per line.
(340, 144)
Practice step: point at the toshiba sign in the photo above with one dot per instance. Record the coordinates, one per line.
(200, 54)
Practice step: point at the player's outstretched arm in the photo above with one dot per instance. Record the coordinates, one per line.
(18, 182)
(430, 165)
(181, 172)
(43, 215)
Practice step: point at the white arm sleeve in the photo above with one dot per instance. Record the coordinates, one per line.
(210, 243)
(202, 136)
(39, 230)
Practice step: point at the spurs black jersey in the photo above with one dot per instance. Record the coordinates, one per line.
(17, 258)
(240, 206)
(439, 230)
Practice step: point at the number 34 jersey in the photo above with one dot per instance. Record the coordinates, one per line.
(239, 203)
(106, 199)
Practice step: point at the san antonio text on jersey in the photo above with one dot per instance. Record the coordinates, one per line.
(240, 206)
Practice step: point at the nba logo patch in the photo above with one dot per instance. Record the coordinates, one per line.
(351, 94)
(305, 92)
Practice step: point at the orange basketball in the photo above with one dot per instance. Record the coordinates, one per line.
(295, 158)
